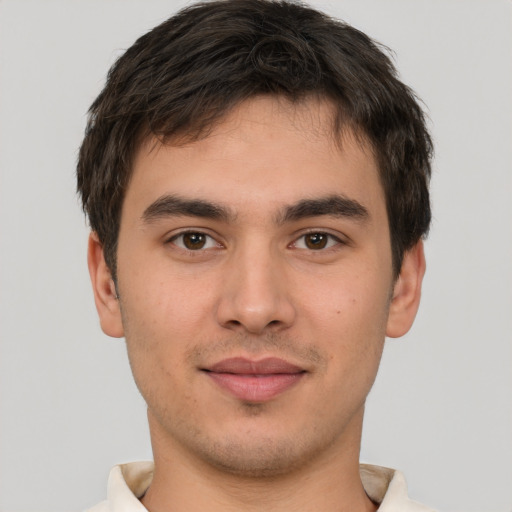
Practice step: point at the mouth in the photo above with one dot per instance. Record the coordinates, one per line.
(255, 381)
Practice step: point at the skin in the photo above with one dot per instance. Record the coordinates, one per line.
(258, 288)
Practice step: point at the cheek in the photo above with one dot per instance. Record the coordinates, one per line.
(348, 317)
(161, 301)
(350, 298)
(162, 318)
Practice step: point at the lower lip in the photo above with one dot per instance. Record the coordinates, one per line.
(255, 388)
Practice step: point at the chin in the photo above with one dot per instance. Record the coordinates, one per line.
(266, 458)
(267, 453)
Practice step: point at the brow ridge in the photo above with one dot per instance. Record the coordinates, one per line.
(170, 205)
(336, 205)
(332, 205)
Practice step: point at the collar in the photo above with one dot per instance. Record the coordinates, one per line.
(128, 482)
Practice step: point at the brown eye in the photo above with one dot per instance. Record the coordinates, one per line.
(194, 241)
(316, 240)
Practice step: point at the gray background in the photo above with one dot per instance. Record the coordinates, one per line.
(441, 409)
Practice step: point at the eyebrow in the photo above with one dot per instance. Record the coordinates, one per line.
(333, 205)
(173, 206)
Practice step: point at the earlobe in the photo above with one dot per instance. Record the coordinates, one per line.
(105, 294)
(407, 292)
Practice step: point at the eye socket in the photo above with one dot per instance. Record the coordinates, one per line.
(194, 241)
(316, 241)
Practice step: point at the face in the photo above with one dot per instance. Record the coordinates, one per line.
(256, 288)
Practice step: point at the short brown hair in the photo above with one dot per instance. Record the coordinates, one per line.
(183, 76)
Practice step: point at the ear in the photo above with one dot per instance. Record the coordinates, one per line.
(105, 294)
(407, 292)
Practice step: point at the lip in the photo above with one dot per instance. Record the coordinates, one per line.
(255, 381)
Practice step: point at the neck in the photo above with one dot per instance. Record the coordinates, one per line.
(330, 482)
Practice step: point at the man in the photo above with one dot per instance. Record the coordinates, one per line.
(256, 180)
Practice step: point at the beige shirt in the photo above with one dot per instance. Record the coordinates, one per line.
(128, 482)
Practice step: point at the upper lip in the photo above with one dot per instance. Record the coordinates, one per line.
(243, 366)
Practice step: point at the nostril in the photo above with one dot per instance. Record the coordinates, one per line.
(254, 309)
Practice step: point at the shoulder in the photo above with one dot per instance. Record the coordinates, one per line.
(388, 488)
(100, 507)
(126, 484)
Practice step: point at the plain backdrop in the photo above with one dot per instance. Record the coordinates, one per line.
(441, 409)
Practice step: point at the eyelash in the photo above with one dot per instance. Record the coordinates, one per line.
(331, 241)
(212, 241)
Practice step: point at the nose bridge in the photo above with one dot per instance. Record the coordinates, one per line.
(255, 293)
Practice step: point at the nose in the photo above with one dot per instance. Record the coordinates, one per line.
(255, 294)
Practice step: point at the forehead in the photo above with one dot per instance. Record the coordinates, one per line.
(265, 153)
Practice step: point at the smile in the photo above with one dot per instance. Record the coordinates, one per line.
(255, 381)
